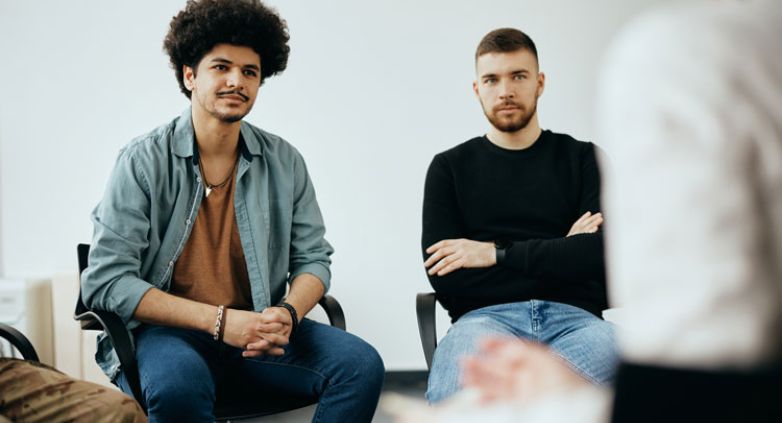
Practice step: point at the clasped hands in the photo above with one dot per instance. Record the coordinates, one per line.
(453, 254)
(264, 333)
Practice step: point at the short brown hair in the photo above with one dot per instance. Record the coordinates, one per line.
(505, 40)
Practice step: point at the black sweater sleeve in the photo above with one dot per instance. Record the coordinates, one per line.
(578, 256)
(442, 219)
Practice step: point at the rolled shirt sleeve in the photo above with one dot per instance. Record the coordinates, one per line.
(309, 250)
(112, 281)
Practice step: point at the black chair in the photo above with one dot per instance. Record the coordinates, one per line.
(427, 323)
(19, 341)
(119, 336)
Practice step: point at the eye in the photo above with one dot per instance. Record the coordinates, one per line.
(490, 81)
(519, 77)
(220, 67)
(251, 73)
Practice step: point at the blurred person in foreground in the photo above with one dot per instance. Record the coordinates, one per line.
(690, 110)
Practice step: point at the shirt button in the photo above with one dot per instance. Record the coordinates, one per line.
(198, 179)
(187, 221)
(170, 263)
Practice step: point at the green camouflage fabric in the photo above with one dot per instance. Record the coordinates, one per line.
(34, 392)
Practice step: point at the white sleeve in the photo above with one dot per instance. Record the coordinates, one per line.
(689, 114)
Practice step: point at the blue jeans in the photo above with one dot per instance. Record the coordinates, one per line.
(585, 341)
(181, 371)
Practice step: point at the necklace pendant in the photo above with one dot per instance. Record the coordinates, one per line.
(208, 191)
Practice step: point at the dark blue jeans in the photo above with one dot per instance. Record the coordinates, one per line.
(182, 370)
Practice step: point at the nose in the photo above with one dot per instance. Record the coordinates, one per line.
(506, 90)
(234, 79)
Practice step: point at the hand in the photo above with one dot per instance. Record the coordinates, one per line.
(264, 332)
(509, 369)
(586, 224)
(271, 343)
(453, 254)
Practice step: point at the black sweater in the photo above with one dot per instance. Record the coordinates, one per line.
(530, 197)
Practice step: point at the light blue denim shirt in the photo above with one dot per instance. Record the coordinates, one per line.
(152, 199)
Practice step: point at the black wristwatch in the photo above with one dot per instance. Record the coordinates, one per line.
(294, 315)
(502, 248)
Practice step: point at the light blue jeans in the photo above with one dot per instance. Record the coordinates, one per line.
(585, 341)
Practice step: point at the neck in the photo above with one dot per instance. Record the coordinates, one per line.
(519, 140)
(215, 138)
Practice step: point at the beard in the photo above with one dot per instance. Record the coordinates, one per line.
(511, 123)
(224, 114)
(229, 117)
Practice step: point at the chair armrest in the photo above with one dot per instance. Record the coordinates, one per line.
(333, 311)
(119, 337)
(19, 341)
(427, 324)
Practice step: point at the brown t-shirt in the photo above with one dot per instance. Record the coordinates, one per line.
(211, 268)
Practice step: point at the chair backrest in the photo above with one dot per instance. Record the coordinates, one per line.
(83, 252)
(427, 323)
(19, 341)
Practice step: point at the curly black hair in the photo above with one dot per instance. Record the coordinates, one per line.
(205, 23)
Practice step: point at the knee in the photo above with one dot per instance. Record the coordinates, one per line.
(369, 365)
(444, 380)
(365, 365)
(174, 399)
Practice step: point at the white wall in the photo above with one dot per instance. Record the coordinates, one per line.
(373, 90)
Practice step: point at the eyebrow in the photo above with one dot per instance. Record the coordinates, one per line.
(228, 62)
(515, 72)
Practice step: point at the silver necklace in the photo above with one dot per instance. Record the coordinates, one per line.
(209, 187)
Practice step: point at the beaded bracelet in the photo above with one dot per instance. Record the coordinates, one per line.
(217, 335)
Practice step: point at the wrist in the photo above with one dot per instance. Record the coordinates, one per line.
(219, 324)
(293, 313)
(500, 251)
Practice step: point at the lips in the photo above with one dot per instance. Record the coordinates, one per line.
(507, 108)
(233, 96)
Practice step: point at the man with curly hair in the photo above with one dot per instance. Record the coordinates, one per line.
(203, 222)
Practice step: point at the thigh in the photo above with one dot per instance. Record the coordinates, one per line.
(462, 340)
(318, 355)
(463, 336)
(585, 341)
(175, 366)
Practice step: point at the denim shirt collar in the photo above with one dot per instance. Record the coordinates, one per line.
(184, 143)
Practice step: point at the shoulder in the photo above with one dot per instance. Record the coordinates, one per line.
(569, 144)
(272, 146)
(153, 146)
(460, 152)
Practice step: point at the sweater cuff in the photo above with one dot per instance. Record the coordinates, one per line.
(516, 256)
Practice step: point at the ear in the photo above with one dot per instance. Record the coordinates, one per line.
(541, 83)
(188, 77)
(475, 89)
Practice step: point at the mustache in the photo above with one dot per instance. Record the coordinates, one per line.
(233, 92)
(507, 104)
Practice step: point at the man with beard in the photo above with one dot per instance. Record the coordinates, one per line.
(204, 222)
(511, 228)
